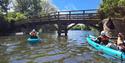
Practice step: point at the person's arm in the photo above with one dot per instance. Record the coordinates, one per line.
(99, 38)
(113, 37)
(37, 33)
(30, 33)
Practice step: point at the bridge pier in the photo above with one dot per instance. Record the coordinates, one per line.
(62, 29)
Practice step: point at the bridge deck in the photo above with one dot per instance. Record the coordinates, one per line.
(79, 16)
(63, 19)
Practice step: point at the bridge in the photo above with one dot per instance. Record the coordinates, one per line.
(64, 18)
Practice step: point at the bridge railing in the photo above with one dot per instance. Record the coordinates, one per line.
(75, 15)
(68, 15)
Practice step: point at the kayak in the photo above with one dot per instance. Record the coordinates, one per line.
(33, 40)
(104, 49)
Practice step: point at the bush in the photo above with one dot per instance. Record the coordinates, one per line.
(80, 27)
(20, 17)
(15, 16)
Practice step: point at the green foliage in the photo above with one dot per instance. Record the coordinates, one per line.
(27, 8)
(47, 7)
(15, 16)
(76, 27)
(20, 16)
(34, 7)
(80, 27)
(4, 5)
(1, 14)
(121, 2)
(112, 8)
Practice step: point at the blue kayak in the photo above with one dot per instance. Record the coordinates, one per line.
(33, 40)
(106, 50)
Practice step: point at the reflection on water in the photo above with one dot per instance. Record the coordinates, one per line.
(53, 49)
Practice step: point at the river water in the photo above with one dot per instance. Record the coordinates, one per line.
(52, 49)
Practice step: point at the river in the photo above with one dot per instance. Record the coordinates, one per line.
(52, 49)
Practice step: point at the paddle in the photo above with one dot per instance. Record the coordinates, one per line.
(113, 38)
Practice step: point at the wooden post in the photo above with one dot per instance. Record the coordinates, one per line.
(69, 15)
(55, 15)
(49, 18)
(59, 31)
(66, 30)
(83, 14)
(58, 16)
(62, 28)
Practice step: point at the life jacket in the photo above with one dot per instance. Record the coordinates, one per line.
(33, 33)
(104, 38)
(119, 41)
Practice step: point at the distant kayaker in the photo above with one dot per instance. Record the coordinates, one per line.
(103, 38)
(33, 34)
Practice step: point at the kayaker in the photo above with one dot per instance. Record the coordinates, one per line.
(120, 42)
(33, 34)
(103, 38)
(120, 39)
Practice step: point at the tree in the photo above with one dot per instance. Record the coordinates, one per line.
(112, 8)
(4, 4)
(22, 5)
(33, 7)
(47, 7)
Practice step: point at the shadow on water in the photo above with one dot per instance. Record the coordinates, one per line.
(53, 49)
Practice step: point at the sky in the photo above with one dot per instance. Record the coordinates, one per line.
(73, 4)
(76, 4)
